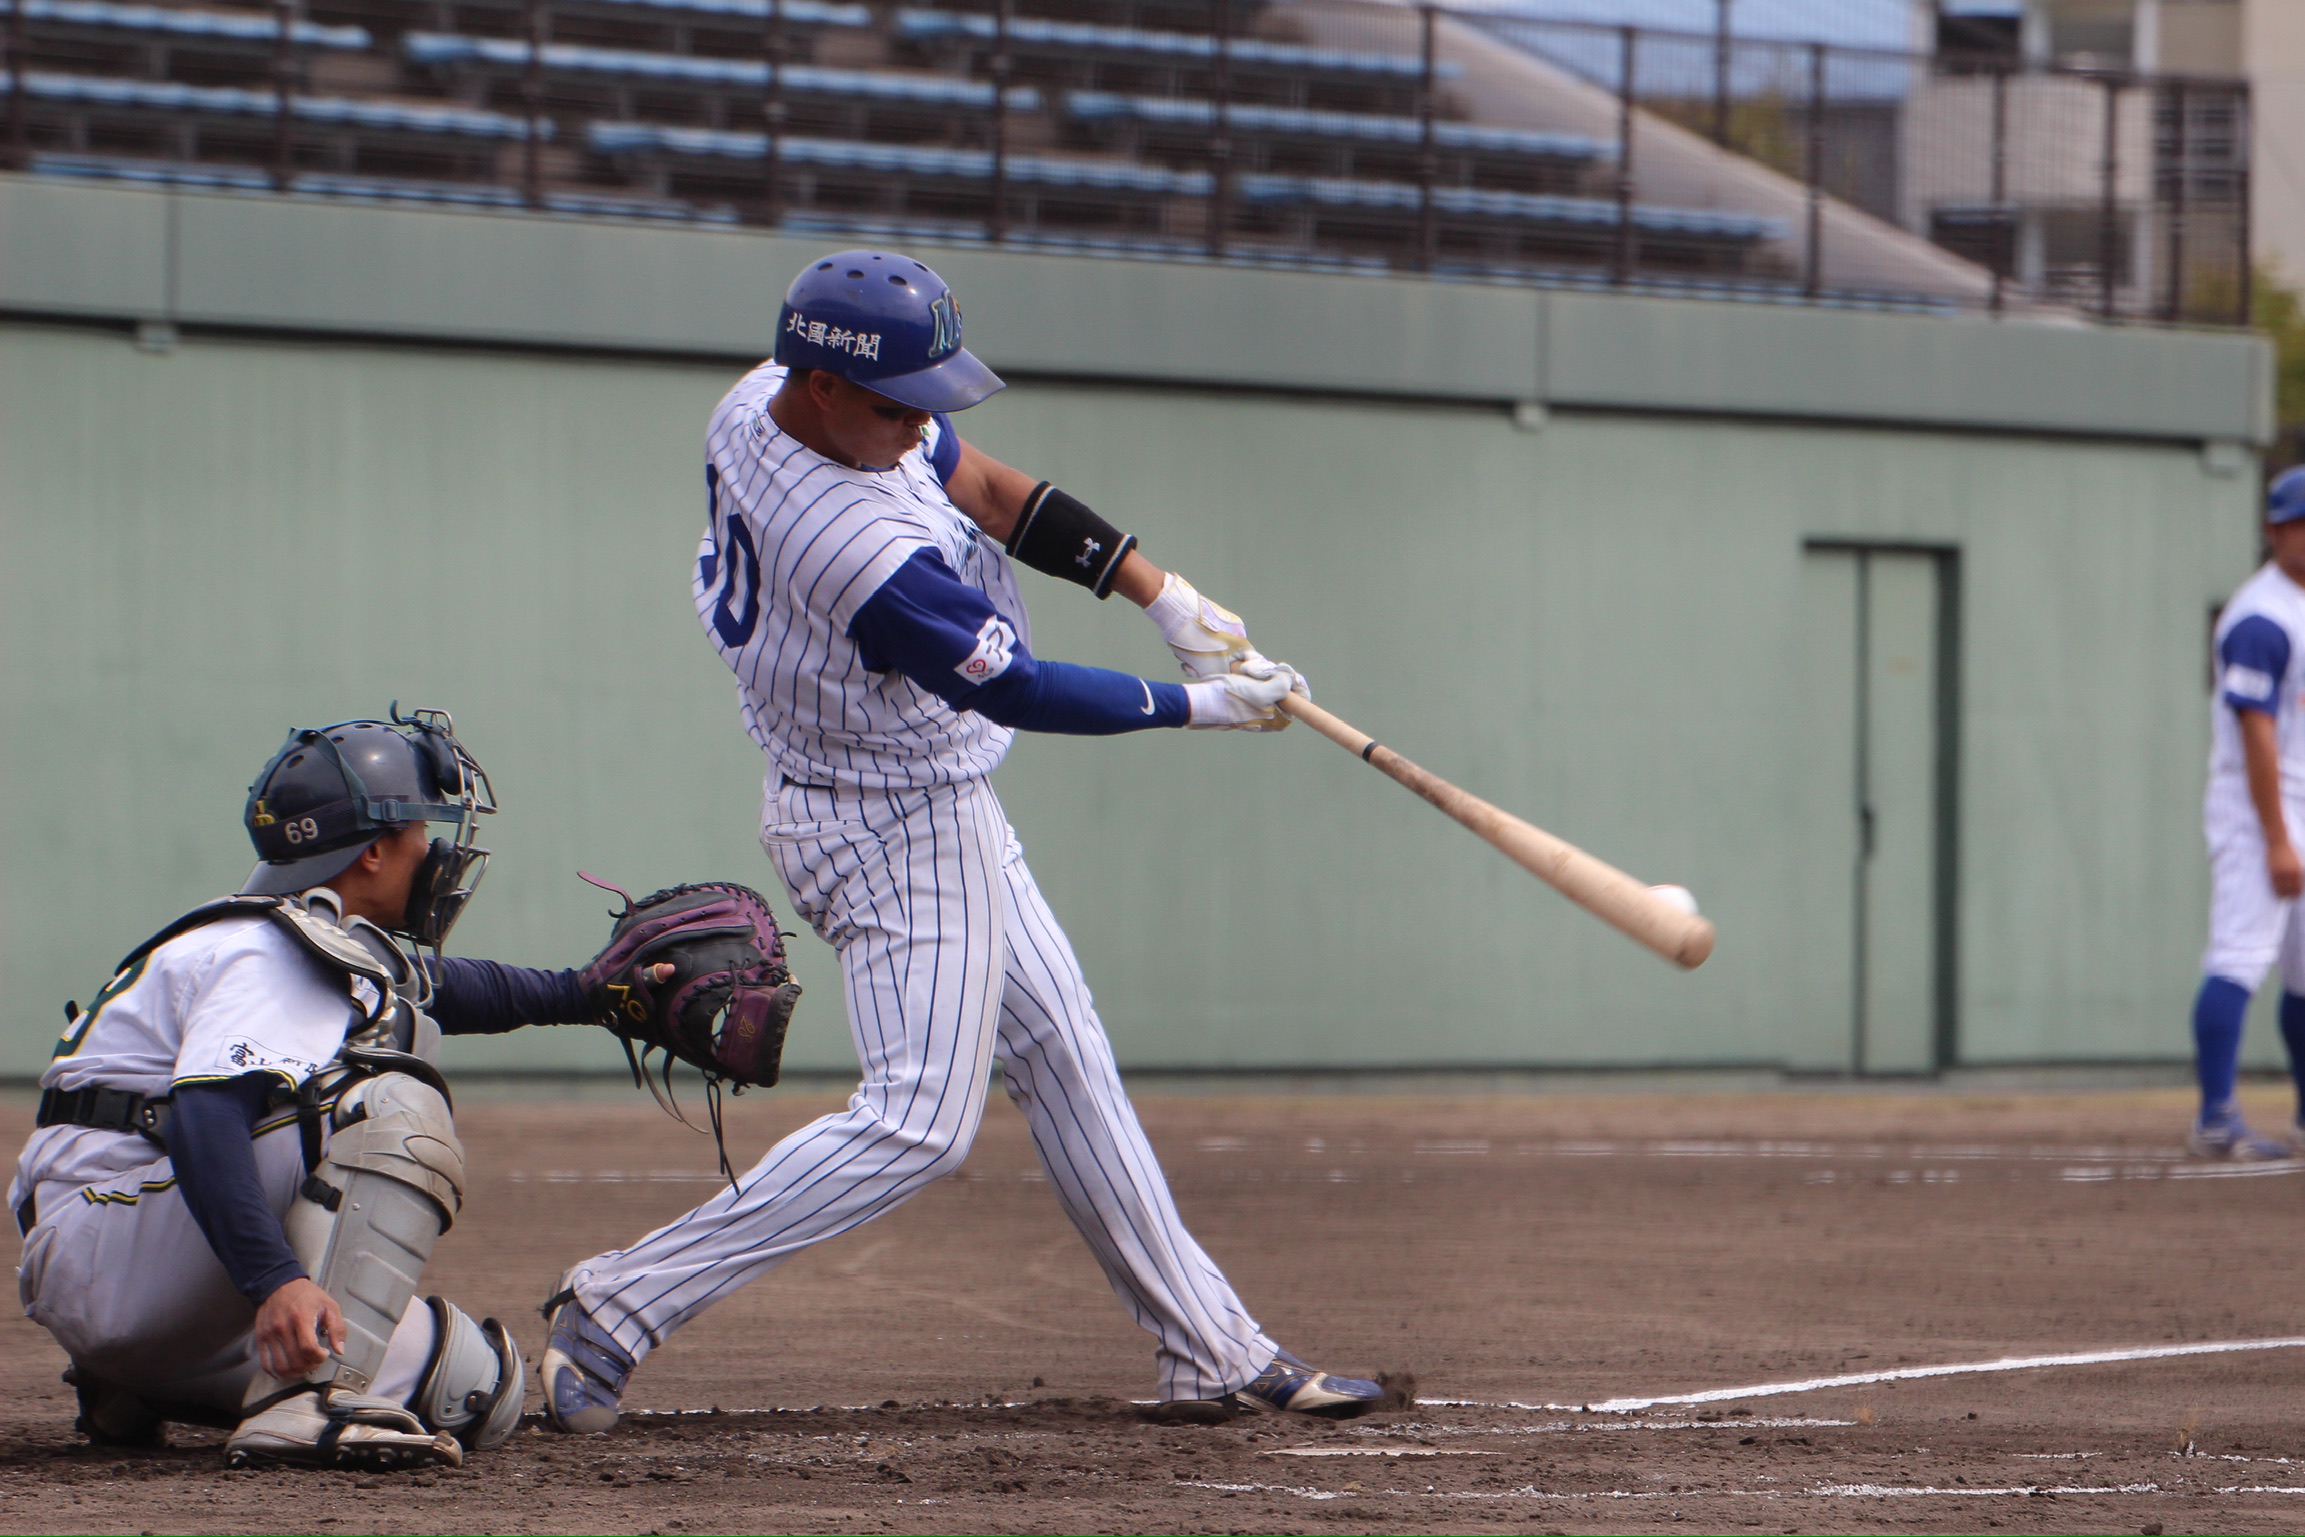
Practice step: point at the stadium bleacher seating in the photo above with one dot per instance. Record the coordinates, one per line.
(1341, 144)
(197, 101)
(1248, 117)
(1094, 128)
(1028, 34)
(105, 20)
(613, 67)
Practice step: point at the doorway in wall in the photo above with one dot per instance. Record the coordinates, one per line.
(1882, 635)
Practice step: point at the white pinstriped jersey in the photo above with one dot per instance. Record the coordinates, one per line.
(793, 546)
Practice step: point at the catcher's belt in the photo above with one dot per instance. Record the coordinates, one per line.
(103, 1109)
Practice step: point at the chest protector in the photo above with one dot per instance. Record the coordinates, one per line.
(389, 1030)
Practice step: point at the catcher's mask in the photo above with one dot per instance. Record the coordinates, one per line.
(331, 792)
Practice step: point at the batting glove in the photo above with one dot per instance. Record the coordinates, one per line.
(1248, 700)
(1210, 641)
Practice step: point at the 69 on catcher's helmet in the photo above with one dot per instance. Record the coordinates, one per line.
(886, 322)
(332, 791)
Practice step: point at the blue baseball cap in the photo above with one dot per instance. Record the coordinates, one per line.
(886, 322)
(2285, 498)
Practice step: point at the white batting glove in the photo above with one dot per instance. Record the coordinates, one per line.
(1248, 700)
(1207, 637)
(1210, 641)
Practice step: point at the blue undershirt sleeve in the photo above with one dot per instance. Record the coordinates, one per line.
(944, 453)
(946, 636)
(212, 1143)
(476, 997)
(2255, 656)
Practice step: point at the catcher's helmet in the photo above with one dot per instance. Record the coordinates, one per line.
(330, 792)
(886, 322)
(2285, 498)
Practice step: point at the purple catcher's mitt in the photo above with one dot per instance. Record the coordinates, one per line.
(725, 1005)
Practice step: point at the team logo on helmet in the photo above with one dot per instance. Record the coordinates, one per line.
(946, 315)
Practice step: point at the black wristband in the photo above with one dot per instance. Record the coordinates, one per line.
(1057, 535)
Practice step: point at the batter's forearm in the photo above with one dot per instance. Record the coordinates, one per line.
(994, 496)
(1138, 579)
(2261, 751)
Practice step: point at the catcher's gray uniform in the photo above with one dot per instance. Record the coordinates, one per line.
(244, 1143)
(115, 1264)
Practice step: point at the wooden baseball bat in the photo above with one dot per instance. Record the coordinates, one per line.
(1601, 889)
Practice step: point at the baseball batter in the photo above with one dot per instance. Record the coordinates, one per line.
(244, 1152)
(856, 575)
(2254, 813)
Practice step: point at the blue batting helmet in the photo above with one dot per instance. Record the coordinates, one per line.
(2285, 498)
(886, 322)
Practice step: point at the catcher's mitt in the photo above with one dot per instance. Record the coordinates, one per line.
(725, 1006)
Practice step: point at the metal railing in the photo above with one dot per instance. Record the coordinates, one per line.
(1440, 138)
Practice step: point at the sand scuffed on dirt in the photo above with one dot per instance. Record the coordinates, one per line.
(961, 1366)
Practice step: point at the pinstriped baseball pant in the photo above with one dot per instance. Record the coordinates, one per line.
(949, 958)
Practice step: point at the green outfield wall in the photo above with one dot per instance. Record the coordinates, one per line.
(1569, 550)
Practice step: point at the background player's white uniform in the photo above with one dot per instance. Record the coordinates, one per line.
(2260, 642)
(879, 818)
(114, 1265)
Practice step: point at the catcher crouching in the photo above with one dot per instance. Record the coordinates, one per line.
(245, 1153)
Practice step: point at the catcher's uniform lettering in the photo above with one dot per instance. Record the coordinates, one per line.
(879, 818)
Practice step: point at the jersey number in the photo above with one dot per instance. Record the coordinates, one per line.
(736, 611)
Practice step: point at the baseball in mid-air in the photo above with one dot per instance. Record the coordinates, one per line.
(1677, 896)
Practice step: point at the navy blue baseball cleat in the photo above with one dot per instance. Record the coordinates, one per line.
(1289, 1386)
(584, 1368)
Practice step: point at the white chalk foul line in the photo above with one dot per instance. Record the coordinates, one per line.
(1961, 1369)
(1682, 1496)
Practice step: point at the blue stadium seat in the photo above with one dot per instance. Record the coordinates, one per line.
(234, 101)
(1298, 122)
(1255, 190)
(1590, 213)
(167, 21)
(241, 178)
(1086, 37)
(807, 13)
(899, 159)
(752, 74)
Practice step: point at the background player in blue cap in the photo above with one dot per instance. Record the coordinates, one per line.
(856, 576)
(2253, 814)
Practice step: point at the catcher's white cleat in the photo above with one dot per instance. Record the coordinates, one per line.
(319, 1426)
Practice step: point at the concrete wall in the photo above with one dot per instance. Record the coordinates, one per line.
(453, 459)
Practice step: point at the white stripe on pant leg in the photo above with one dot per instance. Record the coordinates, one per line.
(918, 910)
(1060, 1073)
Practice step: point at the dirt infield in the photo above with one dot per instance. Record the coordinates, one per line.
(960, 1366)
